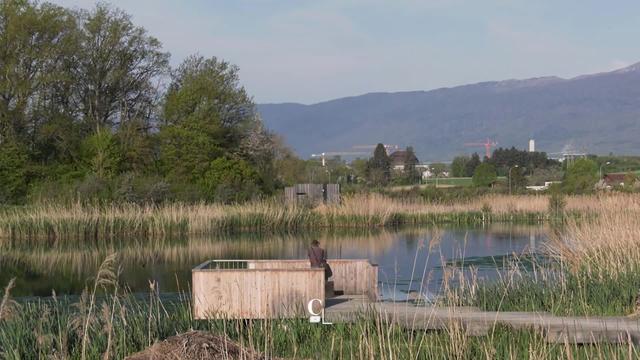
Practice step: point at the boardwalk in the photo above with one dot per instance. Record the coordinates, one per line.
(580, 330)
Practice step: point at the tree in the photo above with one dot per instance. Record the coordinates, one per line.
(518, 180)
(359, 167)
(484, 175)
(581, 177)
(185, 154)
(207, 115)
(102, 154)
(117, 63)
(205, 95)
(504, 159)
(471, 165)
(13, 172)
(230, 180)
(33, 38)
(459, 166)
(379, 169)
(411, 173)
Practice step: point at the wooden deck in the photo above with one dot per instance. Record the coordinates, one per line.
(556, 329)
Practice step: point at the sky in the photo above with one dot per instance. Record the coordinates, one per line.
(309, 51)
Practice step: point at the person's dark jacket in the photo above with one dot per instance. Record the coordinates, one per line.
(317, 256)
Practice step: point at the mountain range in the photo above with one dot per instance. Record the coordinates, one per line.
(597, 113)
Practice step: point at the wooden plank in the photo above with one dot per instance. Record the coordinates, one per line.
(272, 288)
(254, 294)
(557, 329)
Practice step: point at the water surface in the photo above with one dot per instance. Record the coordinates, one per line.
(416, 259)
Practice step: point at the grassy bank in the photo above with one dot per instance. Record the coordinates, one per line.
(95, 223)
(112, 327)
(595, 268)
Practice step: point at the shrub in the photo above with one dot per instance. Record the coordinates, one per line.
(484, 175)
(230, 180)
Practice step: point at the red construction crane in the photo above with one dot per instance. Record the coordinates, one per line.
(487, 146)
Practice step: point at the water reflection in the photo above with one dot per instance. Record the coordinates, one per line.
(410, 260)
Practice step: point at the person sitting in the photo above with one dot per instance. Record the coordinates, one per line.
(318, 258)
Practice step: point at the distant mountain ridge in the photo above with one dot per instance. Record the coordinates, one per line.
(597, 113)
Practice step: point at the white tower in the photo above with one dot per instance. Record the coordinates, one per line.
(532, 145)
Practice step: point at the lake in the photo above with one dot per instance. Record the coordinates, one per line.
(410, 259)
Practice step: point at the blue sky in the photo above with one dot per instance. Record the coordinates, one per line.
(311, 51)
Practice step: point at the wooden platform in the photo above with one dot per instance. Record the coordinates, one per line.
(474, 322)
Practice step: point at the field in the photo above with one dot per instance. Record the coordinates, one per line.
(463, 181)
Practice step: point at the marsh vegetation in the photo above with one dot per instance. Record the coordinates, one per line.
(590, 268)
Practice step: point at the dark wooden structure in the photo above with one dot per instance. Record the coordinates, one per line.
(313, 194)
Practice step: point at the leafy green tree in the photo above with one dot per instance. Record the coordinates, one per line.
(137, 146)
(518, 180)
(540, 175)
(102, 154)
(471, 165)
(379, 168)
(13, 172)
(580, 177)
(359, 167)
(206, 115)
(205, 96)
(117, 64)
(230, 180)
(459, 166)
(33, 38)
(411, 173)
(484, 175)
(185, 154)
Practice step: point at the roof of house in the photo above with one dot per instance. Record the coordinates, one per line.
(614, 178)
(401, 157)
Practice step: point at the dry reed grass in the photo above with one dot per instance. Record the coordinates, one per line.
(609, 242)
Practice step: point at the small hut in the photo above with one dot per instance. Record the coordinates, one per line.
(263, 289)
(313, 194)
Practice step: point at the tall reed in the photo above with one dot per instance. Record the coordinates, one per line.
(54, 223)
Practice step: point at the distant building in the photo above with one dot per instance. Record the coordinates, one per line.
(532, 145)
(312, 194)
(614, 179)
(400, 158)
(428, 174)
(544, 187)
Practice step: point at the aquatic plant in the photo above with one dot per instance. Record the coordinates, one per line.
(53, 223)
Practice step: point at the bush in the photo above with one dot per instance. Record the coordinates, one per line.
(13, 172)
(484, 175)
(230, 180)
(581, 177)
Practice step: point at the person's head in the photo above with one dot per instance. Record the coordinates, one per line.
(315, 243)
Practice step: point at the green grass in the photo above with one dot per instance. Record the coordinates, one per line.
(43, 329)
(576, 293)
(106, 322)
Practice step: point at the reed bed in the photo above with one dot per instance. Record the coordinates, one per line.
(107, 322)
(594, 269)
(87, 223)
